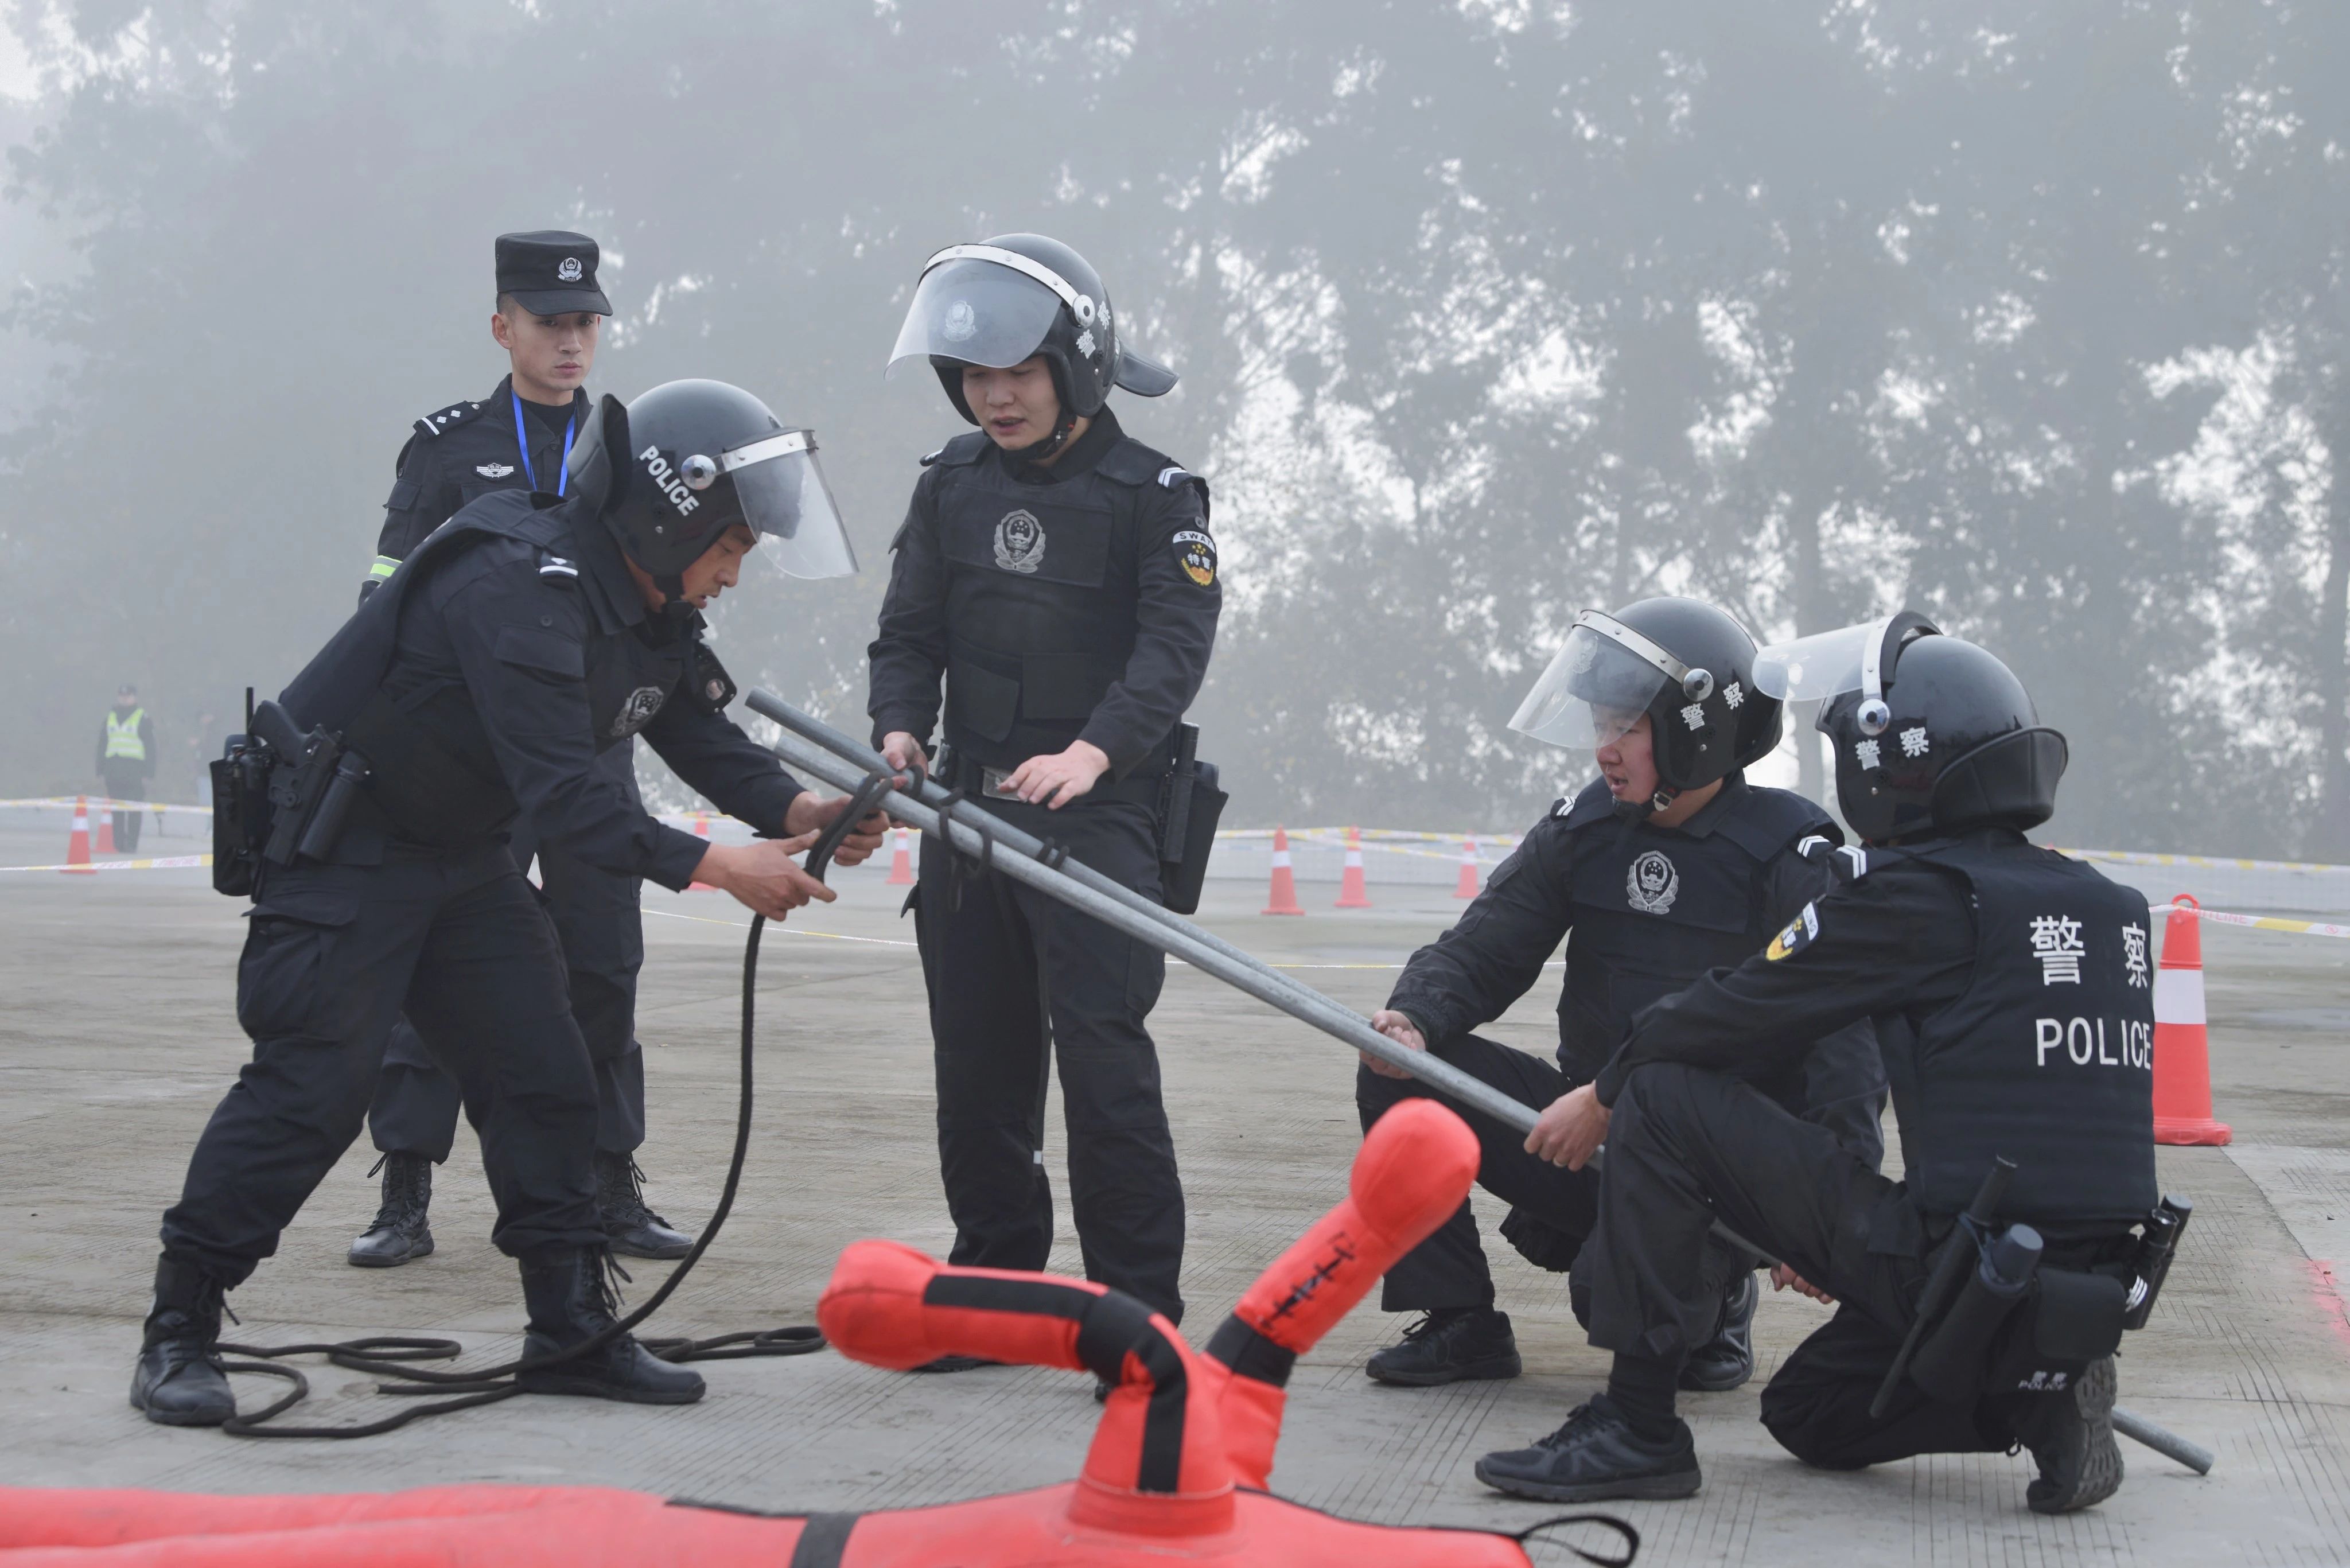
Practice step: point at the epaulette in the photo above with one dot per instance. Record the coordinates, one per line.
(1765, 821)
(1595, 804)
(1129, 461)
(554, 566)
(964, 449)
(1847, 863)
(448, 419)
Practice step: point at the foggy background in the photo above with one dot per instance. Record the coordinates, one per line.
(2024, 313)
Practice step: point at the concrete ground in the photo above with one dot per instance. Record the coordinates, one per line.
(120, 1036)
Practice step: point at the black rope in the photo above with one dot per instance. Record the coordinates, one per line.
(390, 1356)
(1631, 1537)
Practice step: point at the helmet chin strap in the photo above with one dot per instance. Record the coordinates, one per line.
(1639, 811)
(1051, 443)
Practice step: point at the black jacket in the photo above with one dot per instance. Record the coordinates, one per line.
(456, 456)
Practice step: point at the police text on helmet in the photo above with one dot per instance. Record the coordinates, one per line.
(679, 493)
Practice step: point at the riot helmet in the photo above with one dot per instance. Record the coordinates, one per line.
(1004, 300)
(680, 464)
(1932, 733)
(1685, 664)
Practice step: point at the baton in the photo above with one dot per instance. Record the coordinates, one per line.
(1957, 1257)
(818, 749)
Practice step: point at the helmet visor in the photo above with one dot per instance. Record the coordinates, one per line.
(1815, 667)
(787, 503)
(976, 311)
(1594, 692)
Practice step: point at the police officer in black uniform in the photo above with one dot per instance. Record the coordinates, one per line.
(549, 311)
(473, 689)
(1667, 865)
(2011, 994)
(1059, 574)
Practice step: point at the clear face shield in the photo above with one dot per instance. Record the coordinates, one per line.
(787, 503)
(1828, 664)
(1597, 687)
(980, 311)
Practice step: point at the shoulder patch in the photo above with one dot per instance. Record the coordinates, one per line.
(441, 421)
(1196, 554)
(1797, 936)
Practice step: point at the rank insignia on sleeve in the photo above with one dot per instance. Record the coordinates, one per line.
(1196, 554)
(1796, 936)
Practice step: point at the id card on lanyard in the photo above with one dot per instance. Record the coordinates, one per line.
(522, 443)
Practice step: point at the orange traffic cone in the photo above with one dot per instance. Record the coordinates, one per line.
(1467, 887)
(1350, 880)
(2183, 1048)
(902, 862)
(1283, 897)
(103, 843)
(77, 844)
(701, 830)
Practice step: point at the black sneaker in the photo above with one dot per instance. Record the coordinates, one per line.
(1727, 1360)
(1597, 1456)
(1452, 1345)
(180, 1381)
(402, 1231)
(631, 1227)
(2070, 1435)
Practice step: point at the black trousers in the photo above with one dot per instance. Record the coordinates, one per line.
(1449, 1269)
(986, 939)
(332, 955)
(1686, 1145)
(599, 918)
(126, 783)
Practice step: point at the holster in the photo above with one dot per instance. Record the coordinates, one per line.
(239, 816)
(1190, 805)
(2075, 1317)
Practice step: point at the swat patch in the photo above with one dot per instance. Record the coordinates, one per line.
(1196, 554)
(638, 711)
(1796, 936)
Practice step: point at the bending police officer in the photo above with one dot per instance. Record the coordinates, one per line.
(1667, 865)
(1059, 575)
(550, 309)
(2012, 992)
(474, 688)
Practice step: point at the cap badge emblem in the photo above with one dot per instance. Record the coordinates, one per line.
(1652, 884)
(962, 322)
(568, 270)
(494, 469)
(1019, 542)
(1086, 343)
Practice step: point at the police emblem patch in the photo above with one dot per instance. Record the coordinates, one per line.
(1796, 936)
(961, 323)
(569, 270)
(1019, 542)
(1196, 554)
(638, 711)
(1652, 884)
(494, 469)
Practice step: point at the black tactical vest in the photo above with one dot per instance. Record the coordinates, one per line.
(2047, 1057)
(1656, 908)
(1041, 594)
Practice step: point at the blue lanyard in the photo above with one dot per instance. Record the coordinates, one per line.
(522, 443)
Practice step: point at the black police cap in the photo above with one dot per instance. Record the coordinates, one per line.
(551, 271)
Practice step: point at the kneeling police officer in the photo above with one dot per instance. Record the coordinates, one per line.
(473, 691)
(1667, 865)
(2011, 994)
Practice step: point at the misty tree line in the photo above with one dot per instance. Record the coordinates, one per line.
(2024, 313)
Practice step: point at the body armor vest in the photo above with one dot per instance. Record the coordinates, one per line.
(435, 777)
(1655, 908)
(2047, 1057)
(1041, 594)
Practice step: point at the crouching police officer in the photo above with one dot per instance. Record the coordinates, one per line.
(1059, 574)
(2012, 995)
(1668, 865)
(473, 689)
(550, 310)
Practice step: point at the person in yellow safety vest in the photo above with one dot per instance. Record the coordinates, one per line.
(125, 760)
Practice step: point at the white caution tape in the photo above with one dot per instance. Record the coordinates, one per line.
(2139, 858)
(102, 802)
(2255, 922)
(166, 863)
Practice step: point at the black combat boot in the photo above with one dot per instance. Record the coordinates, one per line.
(2070, 1435)
(1597, 1455)
(570, 1299)
(631, 1228)
(180, 1381)
(1451, 1344)
(1727, 1360)
(400, 1231)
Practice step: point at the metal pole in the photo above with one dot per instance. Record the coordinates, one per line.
(818, 749)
